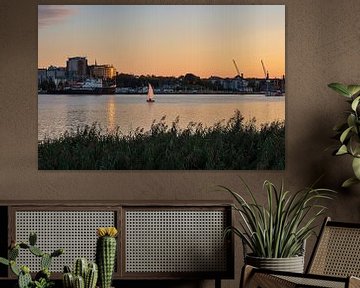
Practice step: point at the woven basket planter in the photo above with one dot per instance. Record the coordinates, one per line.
(291, 264)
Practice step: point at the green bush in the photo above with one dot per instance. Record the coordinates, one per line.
(231, 145)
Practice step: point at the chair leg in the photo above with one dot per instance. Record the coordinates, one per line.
(246, 274)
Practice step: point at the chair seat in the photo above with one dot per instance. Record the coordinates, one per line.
(268, 279)
(315, 282)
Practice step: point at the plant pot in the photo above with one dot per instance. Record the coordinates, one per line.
(291, 264)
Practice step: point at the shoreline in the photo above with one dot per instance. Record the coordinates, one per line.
(169, 93)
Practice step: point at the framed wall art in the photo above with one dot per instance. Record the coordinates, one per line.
(161, 87)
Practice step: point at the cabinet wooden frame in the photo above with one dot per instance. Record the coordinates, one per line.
(120, 209)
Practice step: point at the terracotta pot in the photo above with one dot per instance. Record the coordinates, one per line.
(291, 264)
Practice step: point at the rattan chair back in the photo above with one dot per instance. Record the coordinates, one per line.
(337, 252)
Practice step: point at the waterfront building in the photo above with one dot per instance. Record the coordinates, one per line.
(42, 75)
(56, 74)
(102, 71)
(236, 84)
(77, 68)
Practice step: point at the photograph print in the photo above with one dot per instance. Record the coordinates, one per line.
(161, 87)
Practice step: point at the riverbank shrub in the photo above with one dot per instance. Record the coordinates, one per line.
(231, 145)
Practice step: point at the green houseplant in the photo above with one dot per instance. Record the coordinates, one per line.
(279, 229)
(42, 278)
(349, 131)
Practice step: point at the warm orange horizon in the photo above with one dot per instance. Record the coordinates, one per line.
(166, 40)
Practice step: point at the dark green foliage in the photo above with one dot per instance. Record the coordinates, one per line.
(4, 261)
(24, 246)
(42, 283)
(43, 274)
(13, 253)
(14, 268)
(67, 269)
(57, 252)
(232, 145)
(32, 239)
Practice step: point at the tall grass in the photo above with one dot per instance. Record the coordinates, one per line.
(231, 145)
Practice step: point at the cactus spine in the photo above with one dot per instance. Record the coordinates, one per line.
(106, 254)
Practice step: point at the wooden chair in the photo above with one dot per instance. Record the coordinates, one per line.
(334, 263)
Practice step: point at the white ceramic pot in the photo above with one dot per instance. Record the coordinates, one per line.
(291, 264)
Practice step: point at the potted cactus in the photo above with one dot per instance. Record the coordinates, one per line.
(42, 278)
(106, 254)
(84, 275)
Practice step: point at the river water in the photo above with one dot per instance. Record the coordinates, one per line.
(58, 113)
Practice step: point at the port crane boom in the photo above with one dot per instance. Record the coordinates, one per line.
(266, 73)
(236, 67)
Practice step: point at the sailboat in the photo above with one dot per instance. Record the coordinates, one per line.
(150, 94)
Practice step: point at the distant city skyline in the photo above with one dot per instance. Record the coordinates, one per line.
(166, 40)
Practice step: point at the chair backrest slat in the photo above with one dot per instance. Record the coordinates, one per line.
(337, 252)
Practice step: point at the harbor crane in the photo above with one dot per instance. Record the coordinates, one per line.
(238, 86)
(236, 67)
(266, 74)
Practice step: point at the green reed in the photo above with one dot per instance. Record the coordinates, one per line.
(231, 145)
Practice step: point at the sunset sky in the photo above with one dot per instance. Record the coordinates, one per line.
(168, 40)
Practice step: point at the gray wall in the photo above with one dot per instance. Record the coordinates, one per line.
(322, 46)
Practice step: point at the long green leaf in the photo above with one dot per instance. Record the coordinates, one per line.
(340, 88)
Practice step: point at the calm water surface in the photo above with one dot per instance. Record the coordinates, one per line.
(58, 113)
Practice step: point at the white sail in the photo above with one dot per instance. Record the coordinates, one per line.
(150, 94)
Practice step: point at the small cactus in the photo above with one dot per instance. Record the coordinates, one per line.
(68, 280)
(80, 268)
(57, 252)
(14, 268)
(79, 282)
(45, 261)
(91, 276)
(106, 254)
(24, 278)
(89, 272)
(36, 251)
(13, 253)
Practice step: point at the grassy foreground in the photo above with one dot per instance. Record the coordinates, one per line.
(232, 145)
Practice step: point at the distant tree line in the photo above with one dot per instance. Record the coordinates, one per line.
(189, 81)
